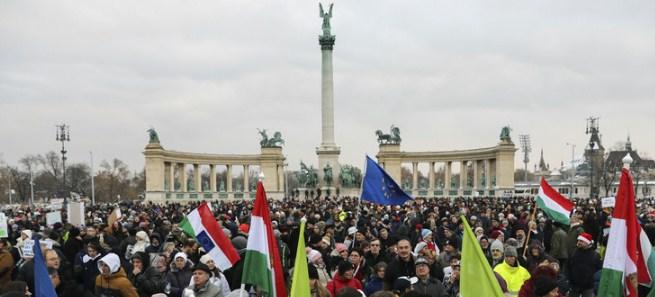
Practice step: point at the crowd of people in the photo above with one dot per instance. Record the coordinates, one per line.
(353, 248)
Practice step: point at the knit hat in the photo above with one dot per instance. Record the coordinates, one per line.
(421, 260)
(543, 285)
(510, 251)
(180, 255)
(586, 237)
(402, 283)
(205, 258)
(244, 228)
(313, 256)
(495, 234)
(425, 233)
(497, 245)
(420, 246)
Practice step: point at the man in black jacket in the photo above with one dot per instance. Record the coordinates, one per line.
(427, 285)
(584, 262)
(401, 265)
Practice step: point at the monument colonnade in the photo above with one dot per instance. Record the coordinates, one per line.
(492, 170)
(162, 165)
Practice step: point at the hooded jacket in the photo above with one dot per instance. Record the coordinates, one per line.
(149, 280)
(515, 276)
(178, 279)
(338, 282)
(116, 284)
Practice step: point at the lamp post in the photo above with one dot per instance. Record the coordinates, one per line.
(591, 169)
(93, 188)
(63, 135)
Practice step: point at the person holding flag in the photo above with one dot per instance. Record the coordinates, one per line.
(262, 266)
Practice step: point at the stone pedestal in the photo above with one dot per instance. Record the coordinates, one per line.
(391, 161)
(271, 158)
(155, 171)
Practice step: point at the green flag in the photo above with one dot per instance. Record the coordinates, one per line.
(476, 276)
(300, 280)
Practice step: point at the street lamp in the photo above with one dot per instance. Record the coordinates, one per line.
(63, 135)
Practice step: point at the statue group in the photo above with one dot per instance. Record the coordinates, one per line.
(307, 176)
(392, 138)
(350, 176)
(275, 141)
(327, 175)
(504, 134)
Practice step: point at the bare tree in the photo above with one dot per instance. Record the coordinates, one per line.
(609, 174)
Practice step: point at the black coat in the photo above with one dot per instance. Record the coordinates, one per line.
(149, 282)
(398, 268)
(582, 266)
(179, 279)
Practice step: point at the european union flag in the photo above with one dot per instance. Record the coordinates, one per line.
(42, 284)
(378, 187)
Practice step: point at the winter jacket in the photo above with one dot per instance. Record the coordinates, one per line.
(179, 279)
(430, 287)
(116, 284)
(581, 268)
(515, 276)
(558, 245)
(373, 285)
(397, 268)
(208, 290)
(150, 280)
(338, 282)
(86, 270)
(528, 288)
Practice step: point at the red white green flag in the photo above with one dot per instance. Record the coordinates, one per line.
(263, 267)
(628, 247)
(556, 206)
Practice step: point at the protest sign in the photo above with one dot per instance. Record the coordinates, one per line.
(76, 213)
(608, 202)
(53, 217)
(4, 230)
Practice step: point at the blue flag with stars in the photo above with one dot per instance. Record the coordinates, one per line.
(378, 187)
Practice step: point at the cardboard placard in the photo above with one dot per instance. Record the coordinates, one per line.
(4, 230)
(608, 202)
(28, 248)
(76, 213)
(53, 217)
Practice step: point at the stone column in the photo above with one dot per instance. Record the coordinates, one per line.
(415, 177)
(246, 188)
(280, 178)
(212, 178)
(462, 176)
(228, 179)
(328, 152)
(431, 180)
(183, 177)
(447, 174)
(171, 177)
(197, 180)
(476, 172)
(487, 175)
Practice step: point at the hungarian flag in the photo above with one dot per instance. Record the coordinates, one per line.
(556, 206)
(201, 224)
(262, 267)
(628, 247)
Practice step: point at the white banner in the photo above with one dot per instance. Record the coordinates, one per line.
(608, 202)
(53, 217)
(76, 213)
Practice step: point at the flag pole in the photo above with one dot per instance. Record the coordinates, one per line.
(527, 235)
(361, 187)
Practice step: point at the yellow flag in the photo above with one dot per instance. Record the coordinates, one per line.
(300, 280)
(476, 276)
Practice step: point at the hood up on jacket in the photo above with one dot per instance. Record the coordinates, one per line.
(112, 261)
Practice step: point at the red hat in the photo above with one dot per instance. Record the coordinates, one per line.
(495, 234)
(586, 237)
(244, 228)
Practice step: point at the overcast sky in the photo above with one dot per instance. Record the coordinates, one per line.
(207, 74)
